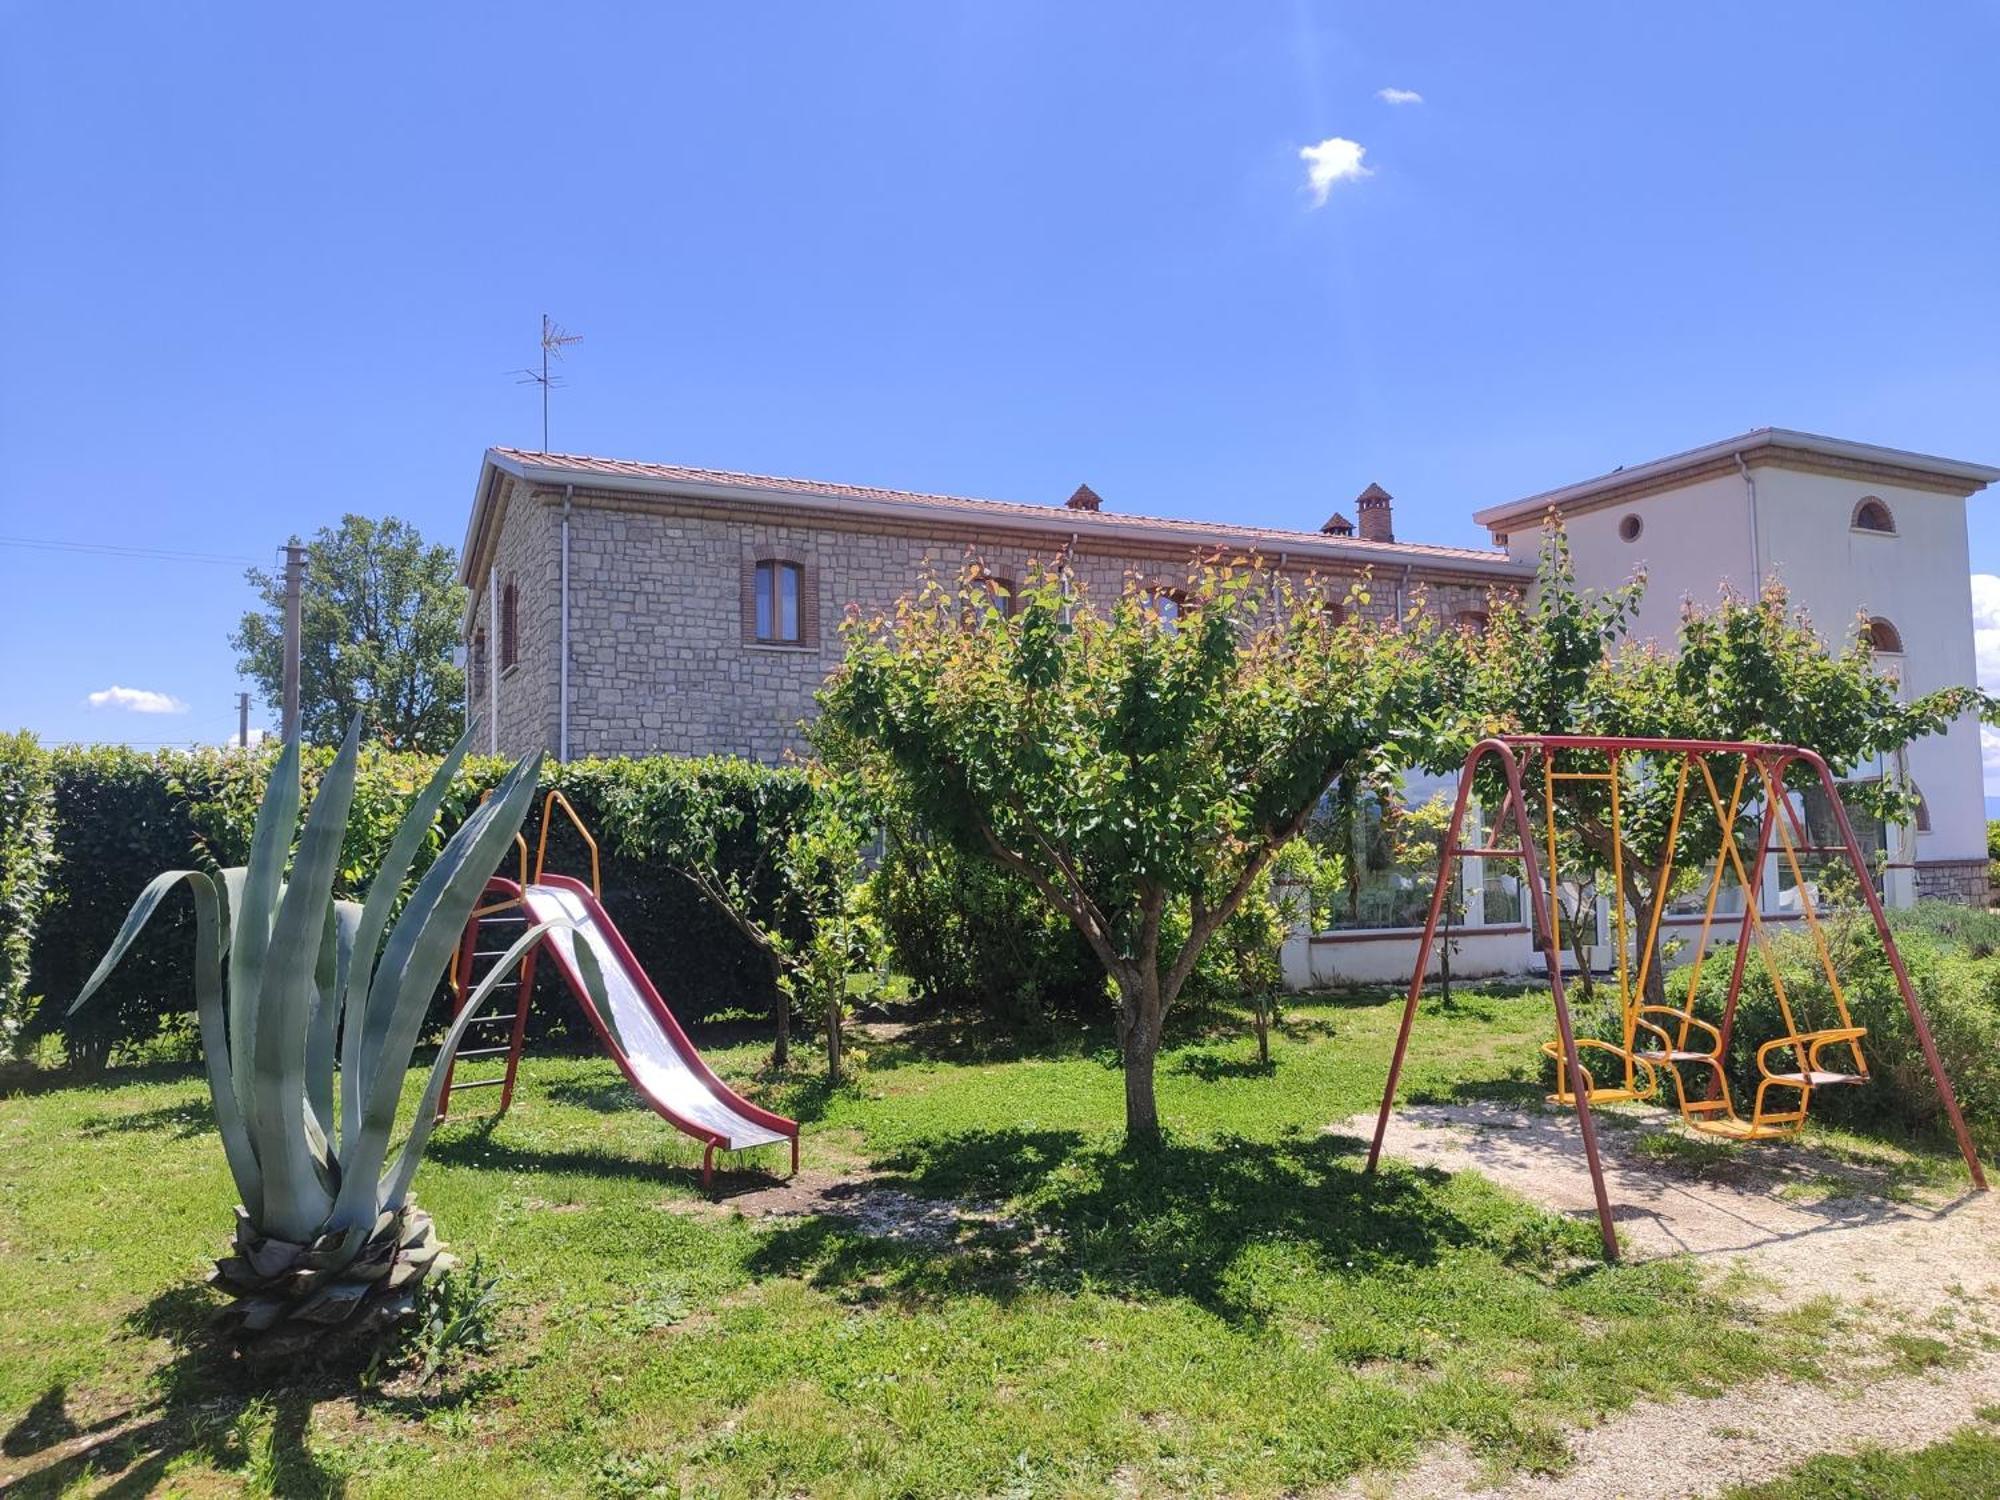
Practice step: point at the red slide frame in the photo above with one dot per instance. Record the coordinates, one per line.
(501, 888)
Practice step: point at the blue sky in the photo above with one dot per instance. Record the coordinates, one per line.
(265, 265)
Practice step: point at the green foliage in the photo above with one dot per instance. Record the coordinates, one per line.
(1127, 761)
(969, 934)
(1959, 991)
(118, 815)
(26, 843)
(380, 620)
(455, 1314)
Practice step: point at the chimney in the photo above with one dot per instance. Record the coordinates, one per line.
(1085, 498)
(1376, 525)
(1338, 525)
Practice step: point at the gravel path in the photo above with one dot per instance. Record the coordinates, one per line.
(1806, 1226)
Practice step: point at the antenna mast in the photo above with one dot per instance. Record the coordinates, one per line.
(554, 341)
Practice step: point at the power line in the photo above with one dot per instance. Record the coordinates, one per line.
(116, 549)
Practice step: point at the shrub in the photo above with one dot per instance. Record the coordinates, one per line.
(116, 816)
(1959, 992)
(967, 933)
(26, 840)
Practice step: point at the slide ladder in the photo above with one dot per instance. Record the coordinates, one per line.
(500, 1032)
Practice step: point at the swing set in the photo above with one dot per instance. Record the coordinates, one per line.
(1732, 781)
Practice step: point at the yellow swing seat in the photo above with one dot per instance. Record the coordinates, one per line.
(1593, 1091)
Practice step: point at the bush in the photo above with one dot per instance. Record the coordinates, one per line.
(967, 933)
(117, 817)
(1958, 988)
(26, 836)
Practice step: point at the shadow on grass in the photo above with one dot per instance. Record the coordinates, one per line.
(1211, 1067)
(179, 1121)
(1172, 1222)
(209, 1410)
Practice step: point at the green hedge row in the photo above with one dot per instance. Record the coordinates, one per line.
(82, 830)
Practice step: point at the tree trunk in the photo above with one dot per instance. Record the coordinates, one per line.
(833, 1039)
(781, 1020)
(1142, 1110)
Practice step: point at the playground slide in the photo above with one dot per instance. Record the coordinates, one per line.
(642, 1035)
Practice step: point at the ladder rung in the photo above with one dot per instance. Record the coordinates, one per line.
(505, 1018)
(478, 1083)
(1487, 851)
(1580, 776)
(467, 1056)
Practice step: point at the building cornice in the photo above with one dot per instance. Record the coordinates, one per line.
(1773, 447)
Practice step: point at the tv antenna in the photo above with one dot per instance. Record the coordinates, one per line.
(554, 340)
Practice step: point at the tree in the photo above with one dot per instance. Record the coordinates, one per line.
(380, 618)
(1745, 669)
(1138, 766)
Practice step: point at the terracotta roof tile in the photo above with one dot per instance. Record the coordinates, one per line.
(1197, 532)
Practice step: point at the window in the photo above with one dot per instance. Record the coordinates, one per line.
(1168, 605)
(478, 662)
(1872, 515)
(1471, 621)
(1923, 809)
(510, 634)
(1004, 595)
(1630, 529)
(779, 594)
(1883, 638)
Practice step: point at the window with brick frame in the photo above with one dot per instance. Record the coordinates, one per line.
(510, 628)
(780, 602)
(478, 658)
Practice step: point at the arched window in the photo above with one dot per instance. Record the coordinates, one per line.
(1923, 809)
(1872, 515)
(510, 630)
(1883, 638)
(1471, 621)
(1005, 592)
(1167, 605)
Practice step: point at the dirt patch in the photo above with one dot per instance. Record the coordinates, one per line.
(1844, 1236)
(872, 1205)
(1681, 1449)
(1806, 1225)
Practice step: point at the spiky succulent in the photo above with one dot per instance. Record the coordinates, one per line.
(309, 1010)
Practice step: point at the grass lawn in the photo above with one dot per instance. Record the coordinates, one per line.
(1964, 1467)
(1243, 1314)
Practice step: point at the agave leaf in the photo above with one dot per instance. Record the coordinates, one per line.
(397, 1184)
(383, 890)
(237, 1145)
(414, 957)
(296, 1202)
(252, 906)
(336, 953)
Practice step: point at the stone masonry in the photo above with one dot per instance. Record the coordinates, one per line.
(660, 654)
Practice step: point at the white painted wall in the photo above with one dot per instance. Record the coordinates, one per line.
(1697, 538)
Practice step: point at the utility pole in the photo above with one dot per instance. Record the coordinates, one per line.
(243, 720)
(295, 575)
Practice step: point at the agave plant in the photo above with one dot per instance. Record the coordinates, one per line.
(309, 1010)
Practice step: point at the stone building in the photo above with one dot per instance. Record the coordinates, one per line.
(623, 608)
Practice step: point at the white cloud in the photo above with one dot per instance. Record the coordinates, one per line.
(1335, 159)
(1399, 96)
(143, 701)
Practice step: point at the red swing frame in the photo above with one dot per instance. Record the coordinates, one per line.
(1773, 761)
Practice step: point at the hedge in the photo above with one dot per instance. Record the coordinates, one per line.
(114, 817)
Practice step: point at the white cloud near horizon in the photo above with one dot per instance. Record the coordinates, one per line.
(1335, 159)
(1986, 650)
(1399, 96)
(145, 701)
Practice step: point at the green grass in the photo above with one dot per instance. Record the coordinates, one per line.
(1962, 1467)
(1243, 1313)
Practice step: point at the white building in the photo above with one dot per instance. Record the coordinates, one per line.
(1855, 532)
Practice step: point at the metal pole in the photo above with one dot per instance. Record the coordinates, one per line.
(562, 689)
(493, 661)
(243, 719)
(295, 572)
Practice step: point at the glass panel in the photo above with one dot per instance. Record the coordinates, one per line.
(788, 602)
(765, 580)
(1827, 875)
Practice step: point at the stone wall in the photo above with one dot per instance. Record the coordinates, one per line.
(1961, 881)
(528, 551)
(659, 654)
